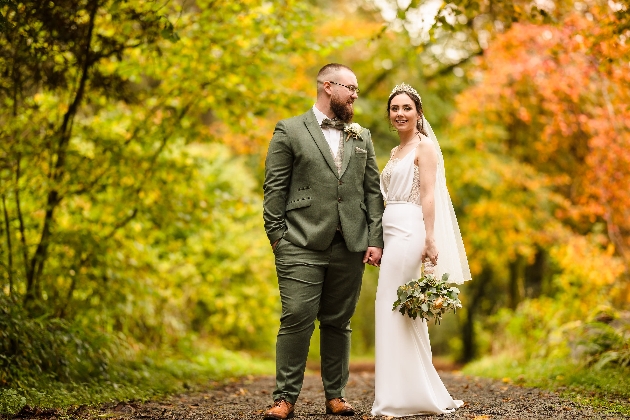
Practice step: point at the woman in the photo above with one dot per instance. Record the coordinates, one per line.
(419, 224)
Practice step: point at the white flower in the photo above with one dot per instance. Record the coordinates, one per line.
(353, 130)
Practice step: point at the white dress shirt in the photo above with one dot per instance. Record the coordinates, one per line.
(332, 135)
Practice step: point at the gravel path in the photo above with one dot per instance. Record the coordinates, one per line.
(247, 398)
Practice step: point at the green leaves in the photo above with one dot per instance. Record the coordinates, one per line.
(128, 208)
(5, 5)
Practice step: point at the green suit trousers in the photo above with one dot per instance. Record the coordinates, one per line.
(324, 285)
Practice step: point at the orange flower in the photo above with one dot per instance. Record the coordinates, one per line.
(438, 303)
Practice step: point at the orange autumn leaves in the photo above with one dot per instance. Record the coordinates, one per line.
(551, 103)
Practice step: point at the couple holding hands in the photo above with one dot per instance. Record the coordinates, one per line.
(325, 219)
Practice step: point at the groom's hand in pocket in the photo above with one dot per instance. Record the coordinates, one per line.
(373, 256)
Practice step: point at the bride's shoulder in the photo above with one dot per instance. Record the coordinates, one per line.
(426, 148)
(425, 139)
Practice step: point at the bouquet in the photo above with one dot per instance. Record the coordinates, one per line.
(427, 297)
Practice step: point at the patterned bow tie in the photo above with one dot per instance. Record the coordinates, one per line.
(335, 123)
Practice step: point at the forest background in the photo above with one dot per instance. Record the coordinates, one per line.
(132, 144)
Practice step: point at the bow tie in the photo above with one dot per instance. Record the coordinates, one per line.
(335, 123)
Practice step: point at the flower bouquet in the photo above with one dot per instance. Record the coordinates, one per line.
(427, 297)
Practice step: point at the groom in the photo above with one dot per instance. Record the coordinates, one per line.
(322, 212)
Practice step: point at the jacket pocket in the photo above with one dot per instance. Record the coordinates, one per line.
(298, 203)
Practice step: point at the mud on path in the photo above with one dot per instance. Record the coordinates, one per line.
(247, 398)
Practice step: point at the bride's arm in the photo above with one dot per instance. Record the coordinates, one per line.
(426, 159)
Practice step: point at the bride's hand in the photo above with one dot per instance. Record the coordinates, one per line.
(430, 251)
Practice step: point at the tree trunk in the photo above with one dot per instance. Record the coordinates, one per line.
(514, 286)
(534, 275)
(58, 171)
(476, 289)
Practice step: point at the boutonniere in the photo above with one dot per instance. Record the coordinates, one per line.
(353, 130)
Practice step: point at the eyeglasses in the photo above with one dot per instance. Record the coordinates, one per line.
(352, 89)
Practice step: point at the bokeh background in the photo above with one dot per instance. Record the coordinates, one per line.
(132, 144)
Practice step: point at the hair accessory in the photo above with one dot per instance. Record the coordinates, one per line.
(403, 87)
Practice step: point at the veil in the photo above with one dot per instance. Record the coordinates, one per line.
(448, 237)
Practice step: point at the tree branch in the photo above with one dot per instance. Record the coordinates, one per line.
(20, 216)
(380, 78)
(10, 250)
(134, 212)
(65, 131)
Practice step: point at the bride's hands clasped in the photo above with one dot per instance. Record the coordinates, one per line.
(430, 251)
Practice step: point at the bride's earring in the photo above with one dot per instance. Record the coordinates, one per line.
(392, 128)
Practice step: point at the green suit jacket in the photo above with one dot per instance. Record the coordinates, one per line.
(306, 199)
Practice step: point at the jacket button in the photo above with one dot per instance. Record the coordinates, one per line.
(339, 200)
(340, 182)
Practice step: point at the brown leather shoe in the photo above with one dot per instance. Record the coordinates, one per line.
(339, 407)
(280, 410)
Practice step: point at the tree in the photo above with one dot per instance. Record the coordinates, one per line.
(535, 173)
(111, 205)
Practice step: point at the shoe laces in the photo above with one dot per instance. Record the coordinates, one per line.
(279, 402)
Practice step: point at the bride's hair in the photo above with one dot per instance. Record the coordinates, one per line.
(416, 100)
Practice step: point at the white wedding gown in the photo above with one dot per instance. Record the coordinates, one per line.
(406, 382)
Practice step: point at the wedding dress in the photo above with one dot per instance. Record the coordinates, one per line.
(406, 382)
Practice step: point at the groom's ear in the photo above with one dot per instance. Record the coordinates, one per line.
(328, 87)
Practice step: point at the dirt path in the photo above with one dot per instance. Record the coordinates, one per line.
(247, 398)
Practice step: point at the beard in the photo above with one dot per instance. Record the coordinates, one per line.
(343, 110)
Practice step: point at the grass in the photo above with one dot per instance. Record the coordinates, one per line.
(151, 378)
(607, 388)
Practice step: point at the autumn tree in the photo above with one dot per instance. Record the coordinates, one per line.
(543, 175)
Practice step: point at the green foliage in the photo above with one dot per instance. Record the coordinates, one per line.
(32, 349)
(600, 344)
(127, 215)
(11, 401)
(560, 324)
(153, 375)
(606, 388)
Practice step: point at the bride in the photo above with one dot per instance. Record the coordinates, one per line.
(418, 224)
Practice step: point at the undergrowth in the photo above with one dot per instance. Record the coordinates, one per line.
(151, 377)
(607, 388)
(47, 362)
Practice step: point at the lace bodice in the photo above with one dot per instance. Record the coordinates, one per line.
(386, 176)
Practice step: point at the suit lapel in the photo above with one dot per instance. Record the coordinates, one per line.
(316, 132)
(347, 152)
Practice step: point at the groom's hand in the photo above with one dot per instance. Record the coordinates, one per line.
(373, 256)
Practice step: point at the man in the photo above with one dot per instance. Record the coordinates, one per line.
(322, 212)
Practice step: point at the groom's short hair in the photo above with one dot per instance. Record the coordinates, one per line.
(327, 71)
